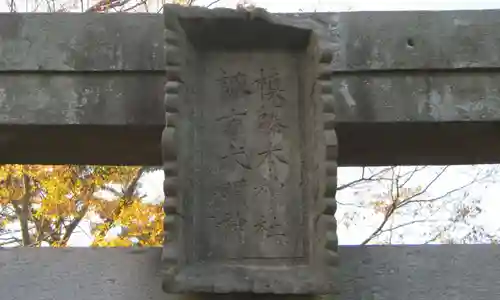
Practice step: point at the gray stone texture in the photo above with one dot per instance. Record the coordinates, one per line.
(362, 41)
(80, 99)
(70, 42)
(390, 68)
(245, 128)
(440, 272)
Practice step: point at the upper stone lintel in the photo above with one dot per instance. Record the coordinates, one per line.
(236, 29)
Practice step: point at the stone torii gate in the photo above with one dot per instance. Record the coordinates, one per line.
(406, 88)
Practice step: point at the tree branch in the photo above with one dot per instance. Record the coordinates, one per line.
(363, 178)
(213, 3)
(84, 199)
(424, 190)
(376, 232)
(143, 2)
(76, 221)
(406, 224)
(23, 211)
(104, 5)
(411, 200)
(389, 212)
(126, 200)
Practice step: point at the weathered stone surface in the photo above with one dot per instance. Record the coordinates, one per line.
(118, 98)
(246, 133)
(81, 99)
(114, 118)
(361, 40)
(135, 114)
(367, 272)
(414, 40)
(81, 42)
(45, 59)
(422, 97)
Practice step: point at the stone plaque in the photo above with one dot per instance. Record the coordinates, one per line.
(251, 164)
(248, 204)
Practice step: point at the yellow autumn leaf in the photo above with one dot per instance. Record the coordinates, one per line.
(59, 197)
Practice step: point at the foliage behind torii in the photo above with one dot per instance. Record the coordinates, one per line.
(45, 204)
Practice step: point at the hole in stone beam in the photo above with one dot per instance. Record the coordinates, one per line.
(410, 43)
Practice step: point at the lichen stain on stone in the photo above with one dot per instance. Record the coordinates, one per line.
(344, 91)
(441, 106)
(71, 113)
(485, 108)
(88, 102)
(445, 105)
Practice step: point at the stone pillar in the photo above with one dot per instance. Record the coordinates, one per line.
(249, 155)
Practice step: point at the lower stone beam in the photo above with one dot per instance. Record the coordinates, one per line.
(117, 118)
(366, 272)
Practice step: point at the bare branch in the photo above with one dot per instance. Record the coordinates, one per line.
(426, 220)
(376, 232)
(213, 3)
(136, 5)
(411, 175)
(434, 238)
(396, 203)
(351, 204)
(411, 200)
(426, 188)
(12, 6)
(373, 177)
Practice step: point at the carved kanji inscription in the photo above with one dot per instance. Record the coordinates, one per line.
(251, 122)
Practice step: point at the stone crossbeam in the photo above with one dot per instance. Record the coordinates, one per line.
(366, 272)
(410, 87)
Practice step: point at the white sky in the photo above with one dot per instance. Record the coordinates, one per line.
(488, 193)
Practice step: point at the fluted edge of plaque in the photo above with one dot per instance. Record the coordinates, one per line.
(325, 83)
(172, 94)
(314, 277)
